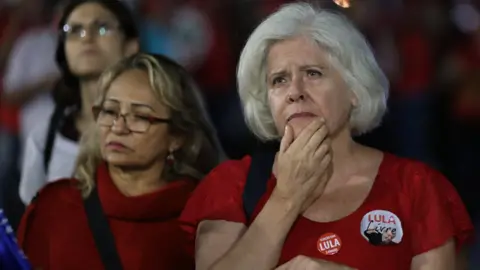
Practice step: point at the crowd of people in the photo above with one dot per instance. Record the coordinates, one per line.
(228, 134)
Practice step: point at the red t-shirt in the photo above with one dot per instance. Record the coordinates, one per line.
(410, 206)
(55, 234)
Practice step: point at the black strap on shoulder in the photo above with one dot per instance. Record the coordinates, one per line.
(102, 234)
(258, 175)
(53, 126)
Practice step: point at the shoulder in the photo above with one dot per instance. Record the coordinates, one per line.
(413, 175)
(224, 181)
(420, 183)
(435, 211)
(219, 195)
(63, 190)
(55, 200)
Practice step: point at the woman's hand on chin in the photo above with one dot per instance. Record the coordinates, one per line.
(303, 165)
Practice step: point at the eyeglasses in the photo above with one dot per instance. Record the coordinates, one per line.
(78, 31)
(134, 122)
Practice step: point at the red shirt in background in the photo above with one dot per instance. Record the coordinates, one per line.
(467, 98)
(416, 63)
(8, 114)
(55, 234)
(411, 209)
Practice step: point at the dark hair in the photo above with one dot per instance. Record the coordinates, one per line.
(66, 93)
(70, 82)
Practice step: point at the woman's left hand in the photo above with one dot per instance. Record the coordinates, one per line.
(306, 263)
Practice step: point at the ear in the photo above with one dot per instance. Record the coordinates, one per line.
(353, 99)
(131, 47)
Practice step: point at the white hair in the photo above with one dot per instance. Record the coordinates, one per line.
(348, 52)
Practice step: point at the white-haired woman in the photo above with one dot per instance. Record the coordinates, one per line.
(308, 78)
(137, 167)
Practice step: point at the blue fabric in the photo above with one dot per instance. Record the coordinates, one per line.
(154, 38)
(11, 256)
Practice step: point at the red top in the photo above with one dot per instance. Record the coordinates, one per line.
(411, 209)
(55, 234)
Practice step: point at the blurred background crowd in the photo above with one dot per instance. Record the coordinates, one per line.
(430, 50)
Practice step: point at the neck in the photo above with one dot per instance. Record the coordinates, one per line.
(348, 158)
(88, 90)
(344, 149)
(136, 182)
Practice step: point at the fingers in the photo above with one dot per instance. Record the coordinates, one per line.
(285, 266)
(325, 163)
(287, 139)
(322, 149)
(308, 132)
(316, 141)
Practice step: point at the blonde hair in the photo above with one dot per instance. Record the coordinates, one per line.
(171, 85)
(348, 51)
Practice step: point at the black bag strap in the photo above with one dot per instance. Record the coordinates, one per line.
(258, 175)
(102, 234)
(53, 126)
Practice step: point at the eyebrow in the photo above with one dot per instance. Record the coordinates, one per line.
(136, 105)
(321, 67)
(91, 22)
(302, 68)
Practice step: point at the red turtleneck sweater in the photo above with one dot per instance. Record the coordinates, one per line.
(54, 231)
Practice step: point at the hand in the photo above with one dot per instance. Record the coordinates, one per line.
(306, 263)
(302, 165)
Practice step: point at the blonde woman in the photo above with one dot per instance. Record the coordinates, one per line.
(150, 145)
(308, 80)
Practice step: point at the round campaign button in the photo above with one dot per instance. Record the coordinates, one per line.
(329, 244)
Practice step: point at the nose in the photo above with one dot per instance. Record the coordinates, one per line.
(296, 92)
(87, 35)
(120, 125)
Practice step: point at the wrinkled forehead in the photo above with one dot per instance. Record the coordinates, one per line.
(299, 50)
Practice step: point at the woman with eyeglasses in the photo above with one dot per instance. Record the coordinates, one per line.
(150, 144)
(93, 35)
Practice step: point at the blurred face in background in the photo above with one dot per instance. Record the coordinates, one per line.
(94, 40)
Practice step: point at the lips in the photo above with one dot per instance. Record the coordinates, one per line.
(300, 115)
(116, 145)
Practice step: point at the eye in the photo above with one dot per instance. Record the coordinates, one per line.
(103, 29)
(109, 111)
(278, 80)
(142, 117)
(73, 29)
(313, 73)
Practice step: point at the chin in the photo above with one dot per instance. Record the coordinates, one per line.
(119, 160)
(299, 124)
(88, 69)
(120, 163)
